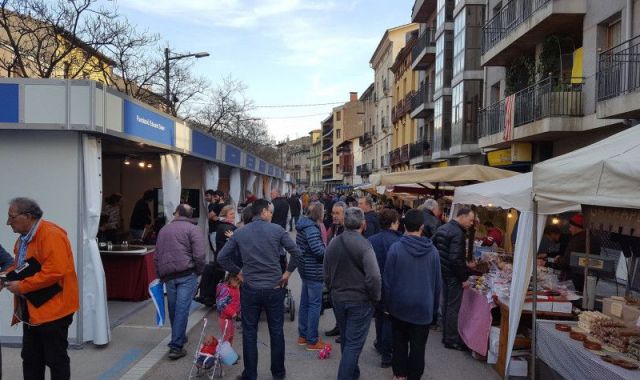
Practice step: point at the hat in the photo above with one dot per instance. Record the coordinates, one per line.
(577, 220)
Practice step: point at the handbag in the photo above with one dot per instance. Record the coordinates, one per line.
(37, 297)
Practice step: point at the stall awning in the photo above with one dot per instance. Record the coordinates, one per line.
(452, 174)
(606, 173)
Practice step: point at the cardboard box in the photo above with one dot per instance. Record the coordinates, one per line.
(616, 307)
(519, 366)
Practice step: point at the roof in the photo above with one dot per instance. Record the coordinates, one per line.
(385, 37)
(451, 174)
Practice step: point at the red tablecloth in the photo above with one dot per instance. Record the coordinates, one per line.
(474, 320)
(128, 277)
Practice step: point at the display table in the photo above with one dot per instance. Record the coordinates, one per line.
(128, 273)
(474, 320)
(571, 360)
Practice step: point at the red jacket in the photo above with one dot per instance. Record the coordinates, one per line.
(227, 300)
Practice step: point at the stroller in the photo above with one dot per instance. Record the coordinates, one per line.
(208, 364)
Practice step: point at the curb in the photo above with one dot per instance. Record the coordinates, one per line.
(158, 352)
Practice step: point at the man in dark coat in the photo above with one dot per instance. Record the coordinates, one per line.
(450, 239)
(280, 209)
(295, 206)
(432, 214)
(371, 217)
(389, 222)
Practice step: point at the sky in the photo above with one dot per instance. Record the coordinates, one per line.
(287, 52)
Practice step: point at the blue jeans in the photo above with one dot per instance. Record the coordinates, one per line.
(383, 336)
(309, 313)
(180, 292)
(252, 302)
(354, 320)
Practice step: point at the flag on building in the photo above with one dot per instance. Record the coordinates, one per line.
(509, 113)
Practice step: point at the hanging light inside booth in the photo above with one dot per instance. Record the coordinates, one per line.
(509, 215)
(149, 166)
(126, 161)
(555, 220)
(141, 164)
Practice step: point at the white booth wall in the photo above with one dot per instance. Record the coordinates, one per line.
(48, 170)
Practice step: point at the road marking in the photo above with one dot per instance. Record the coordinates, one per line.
(126, 359)
(146, 327)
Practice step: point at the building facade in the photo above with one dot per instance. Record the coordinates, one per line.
(294, 156)
(392, 42)
(314, 159)
(565, 79)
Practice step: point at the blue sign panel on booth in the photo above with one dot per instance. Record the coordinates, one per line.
(262, 167)
(9, 95)
(251, 162)
(203, 144)
(270, 172)
(232, 155)
(149, 125)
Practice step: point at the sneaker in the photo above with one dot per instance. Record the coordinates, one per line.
(177, 353)
(302, 341)
(319, 345)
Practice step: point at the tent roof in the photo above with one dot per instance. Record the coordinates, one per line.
(450, 174)
(606, 173)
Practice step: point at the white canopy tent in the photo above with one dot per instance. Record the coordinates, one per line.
(515, 192)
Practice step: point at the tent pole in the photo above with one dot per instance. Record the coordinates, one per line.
(534, 304)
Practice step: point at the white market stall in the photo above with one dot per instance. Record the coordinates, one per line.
(515, 193)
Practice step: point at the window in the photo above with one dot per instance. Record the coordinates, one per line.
(338, 117)
(458, 102)
(614, 33)
(437, 124)
(439, 81)
(440, 18)
(458, 43)
(338, 132)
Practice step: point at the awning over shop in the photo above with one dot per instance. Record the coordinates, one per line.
(451, 174)
(606, 173)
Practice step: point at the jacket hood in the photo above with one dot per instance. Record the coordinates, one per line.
(417, 246)
(305, 222)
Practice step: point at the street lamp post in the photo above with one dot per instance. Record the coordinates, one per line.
(167, 58)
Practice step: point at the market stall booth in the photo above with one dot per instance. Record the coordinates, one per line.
(66, 144)
(604, 178)
(513, 195)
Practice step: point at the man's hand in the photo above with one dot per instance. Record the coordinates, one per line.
(285, 279)
(14, 287)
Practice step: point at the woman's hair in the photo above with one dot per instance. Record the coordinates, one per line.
(225, 210)
(247, 215)
(316, 211)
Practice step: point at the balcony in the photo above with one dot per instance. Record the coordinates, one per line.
(521, 24)
(401, 108)
(422, 9)
(420, 152)
(619, 81)
(424, 52)
(363, 170)
(422, 101)
(366, 139)
(543, 111)
(404, 154)
(328, 161)
(346, 164)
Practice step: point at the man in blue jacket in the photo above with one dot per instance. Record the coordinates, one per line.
(309, 241)
(411, 285)
(259, 244)
(381, 242)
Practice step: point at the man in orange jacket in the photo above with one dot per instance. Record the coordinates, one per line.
(45, 327)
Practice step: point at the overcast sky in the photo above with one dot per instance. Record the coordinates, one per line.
(285, 51)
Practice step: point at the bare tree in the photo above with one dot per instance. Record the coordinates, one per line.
(54, 38)
(187, 90)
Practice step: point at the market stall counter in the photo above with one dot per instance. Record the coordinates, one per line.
(128, 271)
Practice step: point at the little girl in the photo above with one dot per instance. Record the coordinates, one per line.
(228, 306)
(206, 352)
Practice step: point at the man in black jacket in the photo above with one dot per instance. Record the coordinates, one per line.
(295, 206)
(450, 239)
(280, 209)
(373, 225)
(432, 213)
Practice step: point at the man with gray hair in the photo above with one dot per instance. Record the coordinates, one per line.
(352, 276)
(180, 258)
(432, 213)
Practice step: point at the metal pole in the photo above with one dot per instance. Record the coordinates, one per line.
(534, 304)
(167, 89)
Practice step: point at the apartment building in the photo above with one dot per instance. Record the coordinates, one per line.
(366, 140)
(294, 157)
(566, 76)
(450, 82)
(314, 160)
(392, 42)
(405, 85)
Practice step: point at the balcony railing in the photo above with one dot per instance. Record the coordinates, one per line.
(404, 153)
(619, 69)
(366, 139)
(420, 149)
(423, 96)
(327, 162)
(363, 170)
(510, 16)
(547, 98)
(394, 157)
(426, 38)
